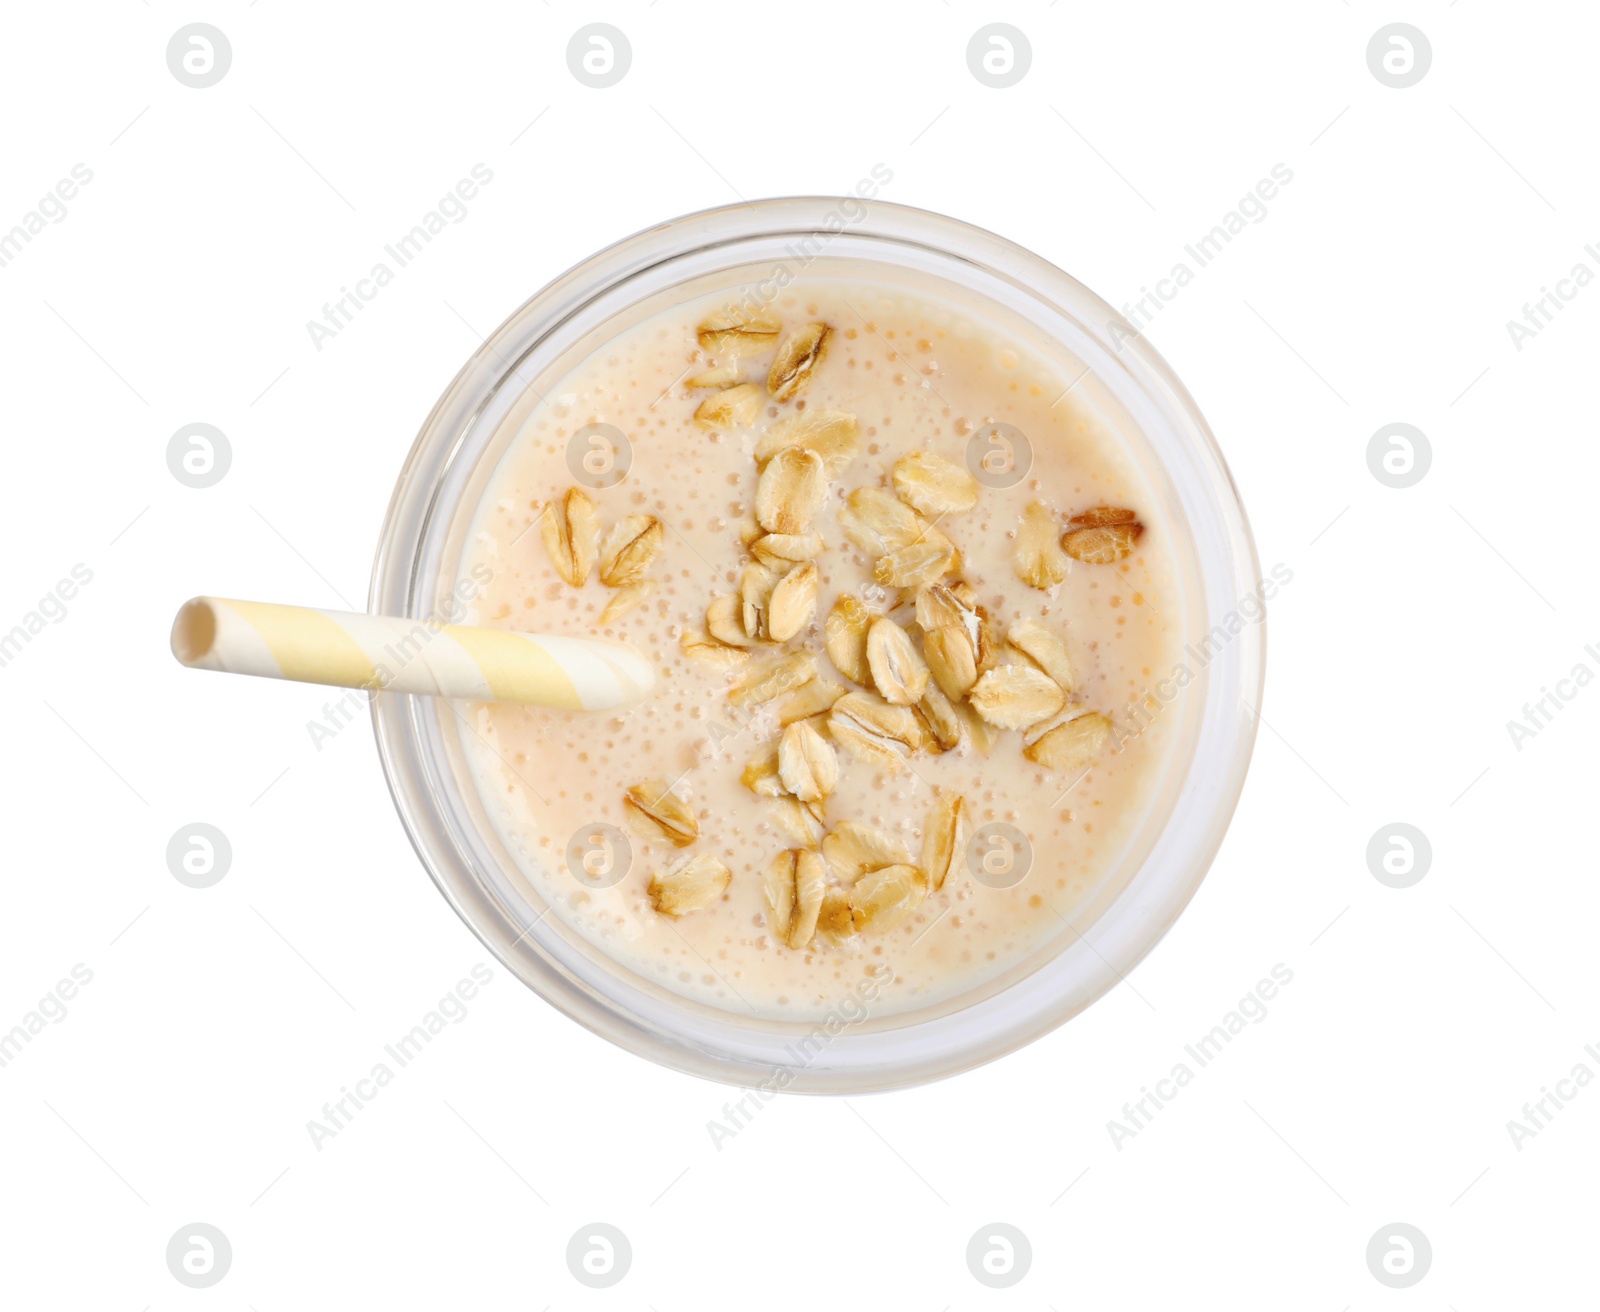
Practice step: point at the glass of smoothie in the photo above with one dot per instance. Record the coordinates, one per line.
(956, 619)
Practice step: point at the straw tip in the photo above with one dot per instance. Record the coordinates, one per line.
(194, 630)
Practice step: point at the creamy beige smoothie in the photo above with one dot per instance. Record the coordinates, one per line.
(894, 651)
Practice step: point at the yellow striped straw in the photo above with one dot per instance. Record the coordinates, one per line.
(378, 652)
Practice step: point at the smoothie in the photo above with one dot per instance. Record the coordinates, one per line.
(899, 580)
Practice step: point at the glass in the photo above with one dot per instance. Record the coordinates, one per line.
(767, 244)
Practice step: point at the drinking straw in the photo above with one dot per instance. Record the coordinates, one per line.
(387, 653)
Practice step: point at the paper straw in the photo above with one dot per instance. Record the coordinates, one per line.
(350, 650)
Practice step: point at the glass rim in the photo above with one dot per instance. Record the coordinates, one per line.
(399, 564)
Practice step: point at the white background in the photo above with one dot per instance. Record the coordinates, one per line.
(1418, 1022)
